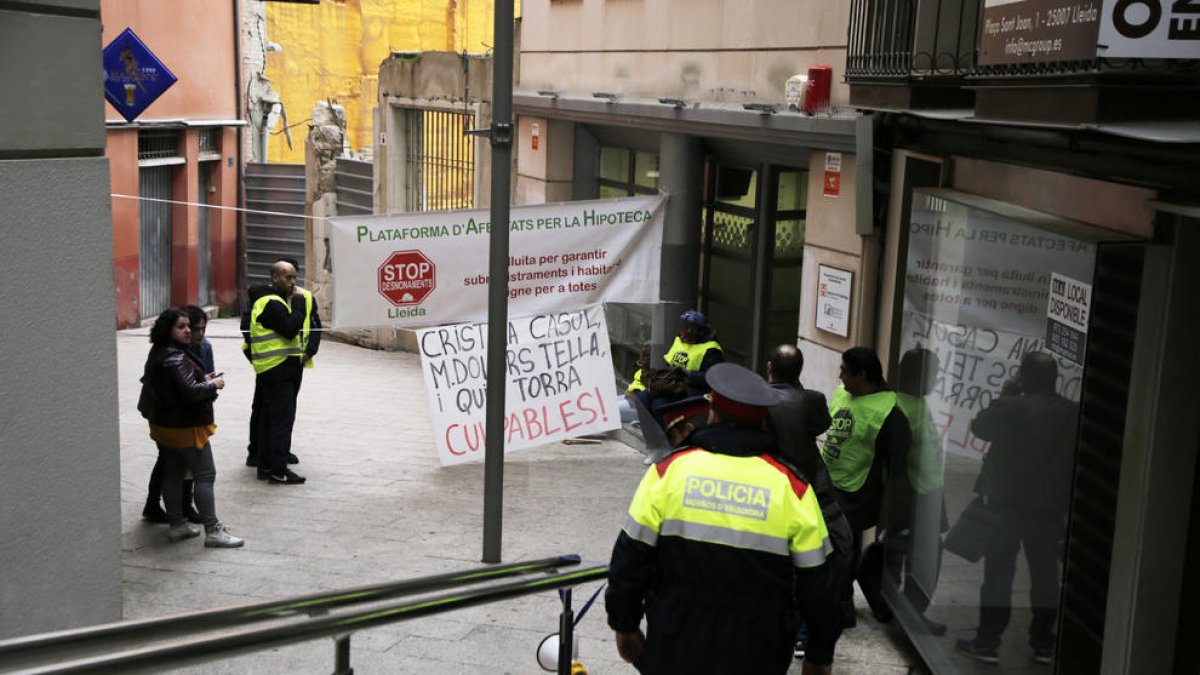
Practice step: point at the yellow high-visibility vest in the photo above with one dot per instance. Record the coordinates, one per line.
(750, 503)
(686, 356)
(850, 441)
(268, 348)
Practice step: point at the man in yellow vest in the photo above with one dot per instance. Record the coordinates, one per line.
(867, 434)
(721, 543)
(283, 338)
(695, 349)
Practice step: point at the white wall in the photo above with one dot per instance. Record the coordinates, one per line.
(706, 50)
(60, 521)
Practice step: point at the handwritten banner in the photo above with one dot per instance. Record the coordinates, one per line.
(430, 268)
(559, 371)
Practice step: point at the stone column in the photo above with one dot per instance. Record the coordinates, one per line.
(681, 165)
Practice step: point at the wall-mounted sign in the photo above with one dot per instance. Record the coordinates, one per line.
(1038, 31)
(133, 77)
(1067, 311)
(831, 186)
(833, 300)
(1150, 29)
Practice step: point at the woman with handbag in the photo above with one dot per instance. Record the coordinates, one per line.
(177, 400)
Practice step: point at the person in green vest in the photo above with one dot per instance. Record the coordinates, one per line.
(868, 433)
(695, 350)
(282, 340)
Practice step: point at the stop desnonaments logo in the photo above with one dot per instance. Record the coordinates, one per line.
(406, 278)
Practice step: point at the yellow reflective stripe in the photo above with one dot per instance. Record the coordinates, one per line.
(715, 534)
(638, 531)
(289, 351)
(814, 557)
(265, 337)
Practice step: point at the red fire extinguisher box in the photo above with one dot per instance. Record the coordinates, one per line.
(816, 90)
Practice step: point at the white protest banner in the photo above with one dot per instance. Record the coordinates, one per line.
(560, 382)
(429, 268)
(975, 293)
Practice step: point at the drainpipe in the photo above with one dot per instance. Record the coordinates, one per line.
(240, 244)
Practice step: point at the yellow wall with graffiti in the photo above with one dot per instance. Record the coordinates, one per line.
(333, 51)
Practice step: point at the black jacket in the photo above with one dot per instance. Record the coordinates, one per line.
(1029, 463)
(183, 398)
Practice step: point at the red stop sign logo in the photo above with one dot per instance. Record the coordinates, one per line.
(406, 277)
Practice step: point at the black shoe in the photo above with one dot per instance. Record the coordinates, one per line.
(193, 516)
(1044, 655)
(934, 628)
(262, 475)
(154, 513)
(251, 460)
(973, 650)
(798, 650)
(286, 477)
(292, 459)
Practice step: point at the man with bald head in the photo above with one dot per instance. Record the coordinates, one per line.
(1026, 482)
(282, 337)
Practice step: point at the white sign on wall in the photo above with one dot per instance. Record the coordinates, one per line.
(1150, 29)
(429, 268)
(1067, 311)
(833, 300)
(559, 371)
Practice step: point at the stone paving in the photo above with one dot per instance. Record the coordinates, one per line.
(378, 507)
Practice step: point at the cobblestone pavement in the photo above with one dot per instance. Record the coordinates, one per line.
(378, 507)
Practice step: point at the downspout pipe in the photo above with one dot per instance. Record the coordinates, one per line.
(240, 245)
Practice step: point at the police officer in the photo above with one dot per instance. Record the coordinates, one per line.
(722, 541)
(695, 349)
(280, 345)
(868, 431)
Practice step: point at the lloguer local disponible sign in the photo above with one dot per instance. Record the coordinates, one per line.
(430, 268)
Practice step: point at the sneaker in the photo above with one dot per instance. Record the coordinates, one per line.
(181, 531)
(286, 477)
(262, 475)
(973, 650)
(798, 650)
(1044, 655)
(292, 459)
(218, 536)
(154, 513)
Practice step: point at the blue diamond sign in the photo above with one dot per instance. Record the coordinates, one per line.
(133, 76)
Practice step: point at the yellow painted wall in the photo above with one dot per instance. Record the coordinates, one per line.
(333, 51)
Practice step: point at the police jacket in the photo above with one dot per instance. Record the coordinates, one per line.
(183, 397)
(722, 542)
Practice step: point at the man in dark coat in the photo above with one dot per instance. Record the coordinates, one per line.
(1026, 481)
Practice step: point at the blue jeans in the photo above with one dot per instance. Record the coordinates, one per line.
(176, 463)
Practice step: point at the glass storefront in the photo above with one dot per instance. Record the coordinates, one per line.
(988, 373)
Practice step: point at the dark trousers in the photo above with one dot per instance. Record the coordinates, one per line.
(176, 463)
(155, 488)
(275, 393)
(1000, 566)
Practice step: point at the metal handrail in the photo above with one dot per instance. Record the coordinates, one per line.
(30, 653)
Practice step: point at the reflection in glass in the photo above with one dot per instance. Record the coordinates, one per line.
(988, 389)
(614, 164)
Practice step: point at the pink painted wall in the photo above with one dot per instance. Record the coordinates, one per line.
(194, 39)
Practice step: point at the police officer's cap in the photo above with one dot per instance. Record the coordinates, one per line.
(683, 410)
(738, 392)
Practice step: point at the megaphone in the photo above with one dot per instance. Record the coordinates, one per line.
(547, 655)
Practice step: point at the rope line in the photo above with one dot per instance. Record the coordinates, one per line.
(214, 206)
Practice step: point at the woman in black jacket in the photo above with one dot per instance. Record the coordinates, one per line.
(177, 398)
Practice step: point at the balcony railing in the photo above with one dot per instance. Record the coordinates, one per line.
(911, 39)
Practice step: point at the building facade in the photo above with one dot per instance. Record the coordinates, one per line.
(176, 165)
(1041, 187)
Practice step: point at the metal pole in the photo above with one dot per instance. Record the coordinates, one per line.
(501, 139)
(566, 637)
(341, 656)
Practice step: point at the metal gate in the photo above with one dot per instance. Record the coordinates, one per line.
(279, 190)
(154, 239)
(355, 187)
(202, 250)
